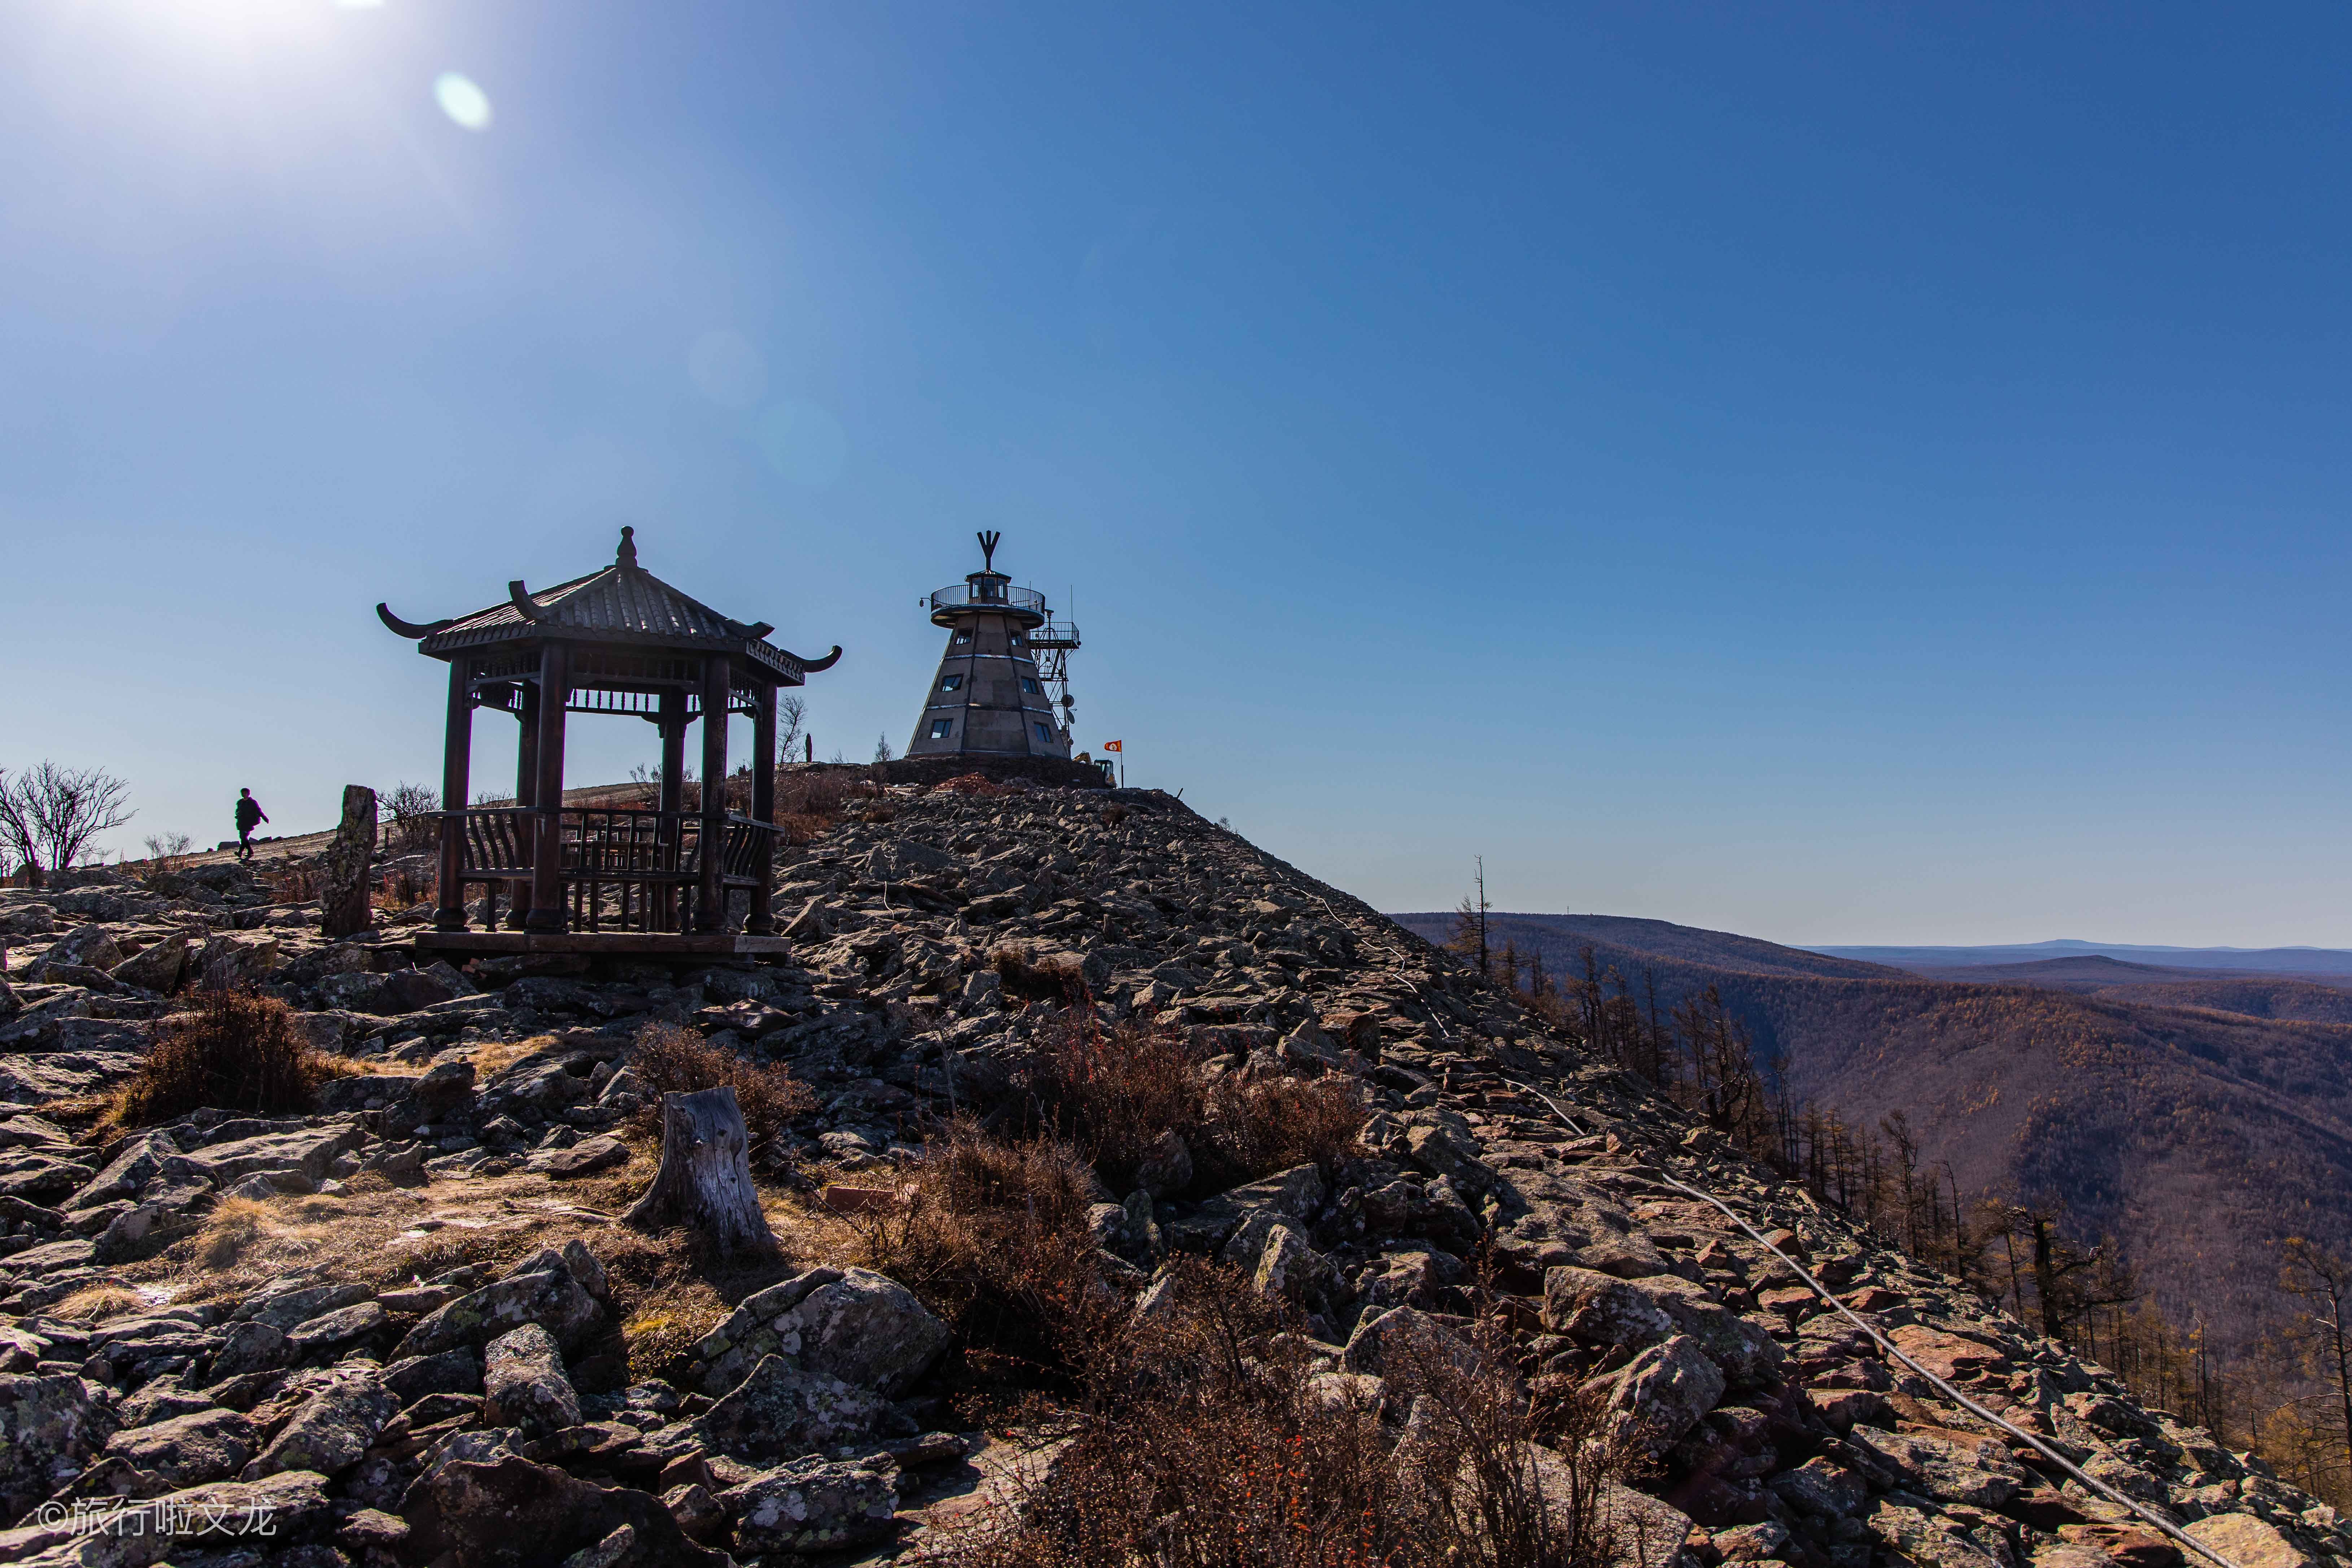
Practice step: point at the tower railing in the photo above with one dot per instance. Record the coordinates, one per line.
(988, 596)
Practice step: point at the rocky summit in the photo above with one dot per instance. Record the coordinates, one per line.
(160, 1403)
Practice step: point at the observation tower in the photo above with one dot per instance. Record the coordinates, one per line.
(1004, 675)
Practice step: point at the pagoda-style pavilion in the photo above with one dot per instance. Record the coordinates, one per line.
(621, 880)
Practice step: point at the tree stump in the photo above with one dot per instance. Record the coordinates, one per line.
(344, 897)
(704, 1180)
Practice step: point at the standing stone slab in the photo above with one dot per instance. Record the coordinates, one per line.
(345, 897)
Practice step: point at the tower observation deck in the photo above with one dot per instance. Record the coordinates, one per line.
(1006, 665)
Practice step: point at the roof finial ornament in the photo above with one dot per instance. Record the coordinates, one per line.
(627, 555)
(987, 548)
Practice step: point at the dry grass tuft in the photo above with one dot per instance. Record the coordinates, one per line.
(97, 1303)
(234, 1225)
(237, 1050)
(674, 1060)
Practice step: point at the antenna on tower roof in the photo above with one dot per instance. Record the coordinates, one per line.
(987, 548)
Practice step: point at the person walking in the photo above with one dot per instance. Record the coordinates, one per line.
(249, 815)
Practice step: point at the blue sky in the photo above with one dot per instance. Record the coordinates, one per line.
(1841, 473)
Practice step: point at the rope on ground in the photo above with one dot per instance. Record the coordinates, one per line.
(1941, 1387)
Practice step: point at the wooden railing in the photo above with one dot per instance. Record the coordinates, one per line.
(622, 869)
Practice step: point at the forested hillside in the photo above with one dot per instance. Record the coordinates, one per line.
(2199, 1139)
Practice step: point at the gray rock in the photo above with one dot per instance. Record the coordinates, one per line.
(1400, 1340)
(330, 1432)
(523, 1383)
(583, 1158)
(85, 946)
(813, 1505)
(189, 1451)
(156, 967)
(457, 1370)
(850, 1323)
(1661, 1394)
(250, 1347)
(512, 1513)
(331, 1334)
(49, 1429)
(544, 1289)
(1600, 1309)
(287, 1309)
(182, 1526)
(1821, 1487)
(783, 1408)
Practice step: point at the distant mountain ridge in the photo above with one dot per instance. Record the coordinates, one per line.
(2271, 960)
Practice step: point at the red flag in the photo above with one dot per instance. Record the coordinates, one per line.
(1114, 745)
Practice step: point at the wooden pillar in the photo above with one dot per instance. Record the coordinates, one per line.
(670, 801)
(456, 759)
(547, 912)
(762, 922)
(526, 797)
(710, 899)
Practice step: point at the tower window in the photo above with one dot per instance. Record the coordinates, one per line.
(1029, 684)
(963, 637)
(1019, 641)
(1044, 734)
(951, 682)
(941, 728)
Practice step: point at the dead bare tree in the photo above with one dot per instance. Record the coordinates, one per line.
(411, 809)
(48, 815)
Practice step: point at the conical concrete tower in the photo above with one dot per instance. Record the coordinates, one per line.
(990, 696)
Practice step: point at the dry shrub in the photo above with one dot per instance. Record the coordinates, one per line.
(978, 784)
(674, 1060)
(1268, 1125)
(97, 1303)
(1201, 1440)
(1059, 977)
(1112, 1089)
(293, 882)
(994, 1240)
(236, 1050)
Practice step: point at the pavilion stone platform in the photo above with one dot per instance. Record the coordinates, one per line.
(621, 881)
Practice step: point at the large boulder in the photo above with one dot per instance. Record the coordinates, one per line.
(1600, 1309)
(2249, 1541)
(813, 1505)
(550, 1289)
(512, 1513)
(334, 1427)
(861, 1327)
(783, 1409)
(1401, 1340)
(1661, 1394)
(188, 1450)
(157, 966)
(524, 1385)
(1604, 1310)
(84, 947)
(137, 1162)
(49, 1429)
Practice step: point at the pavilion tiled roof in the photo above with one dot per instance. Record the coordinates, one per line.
(622, 604)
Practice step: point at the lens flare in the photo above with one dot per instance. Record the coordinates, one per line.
(461, 100)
